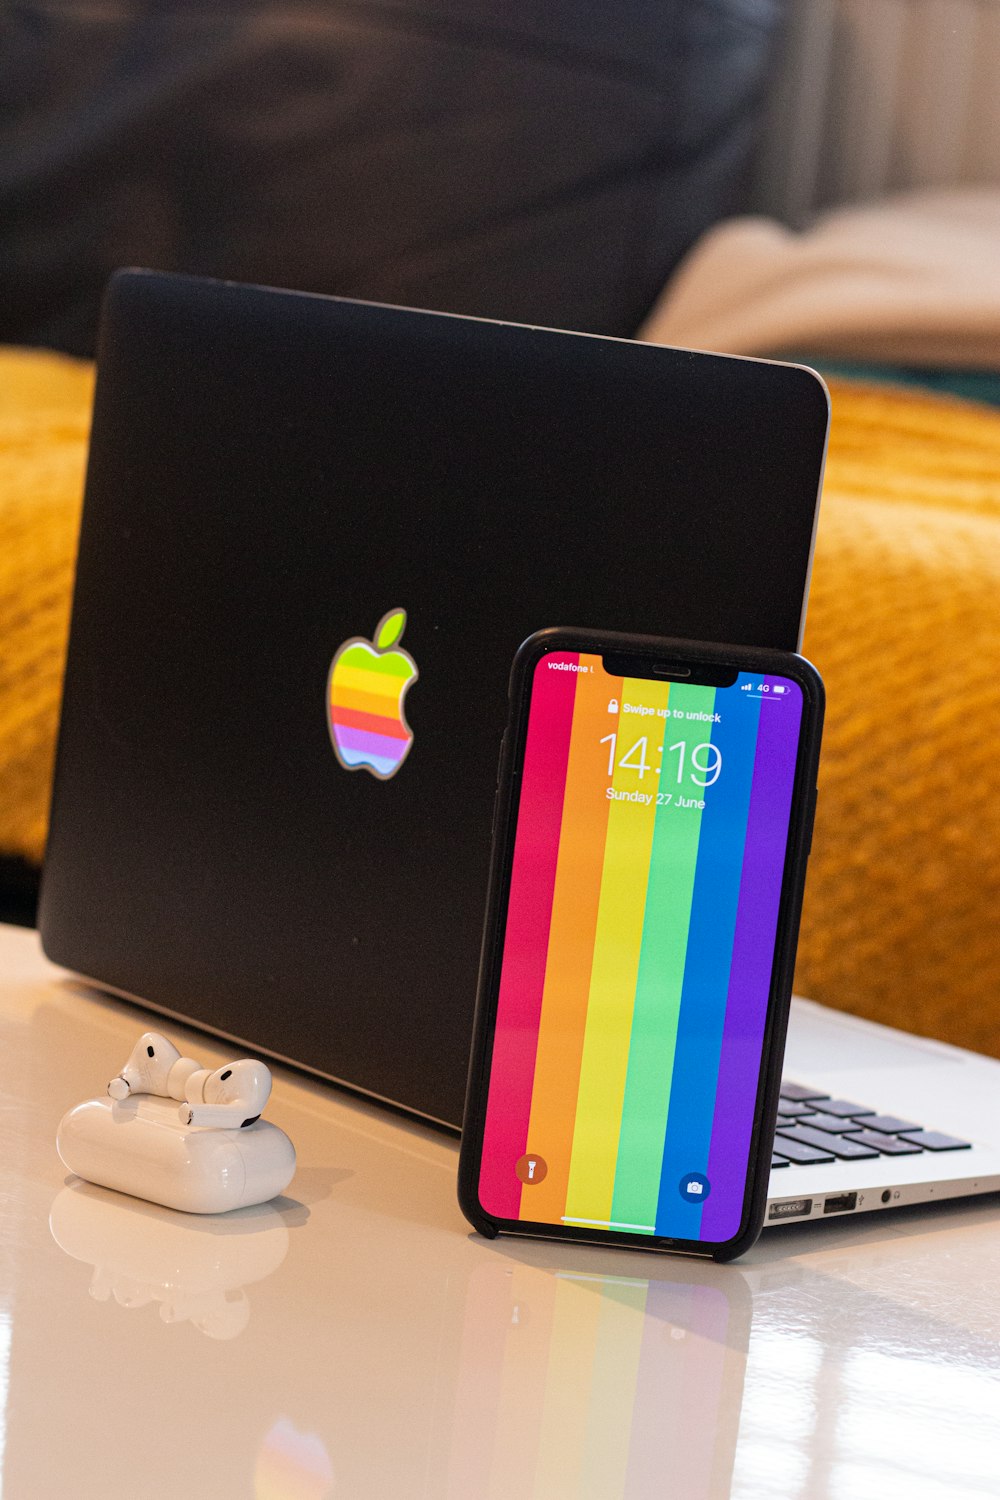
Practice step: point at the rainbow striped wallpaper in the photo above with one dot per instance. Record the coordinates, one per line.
(637, 956)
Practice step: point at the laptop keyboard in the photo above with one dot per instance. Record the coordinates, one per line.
(813, 1127)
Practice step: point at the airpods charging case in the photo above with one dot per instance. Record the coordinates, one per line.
(139, 1146)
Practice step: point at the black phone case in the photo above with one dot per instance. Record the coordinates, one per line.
(793, 883)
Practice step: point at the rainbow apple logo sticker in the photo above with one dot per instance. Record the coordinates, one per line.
(364, 695)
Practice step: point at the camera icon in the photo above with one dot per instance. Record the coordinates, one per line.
(694, 1187)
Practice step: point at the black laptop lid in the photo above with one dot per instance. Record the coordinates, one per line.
(273, 474)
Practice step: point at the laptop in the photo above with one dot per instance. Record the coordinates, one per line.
(314, 533)
(873, 1118)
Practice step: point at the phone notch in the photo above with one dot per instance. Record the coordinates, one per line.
(632, 664)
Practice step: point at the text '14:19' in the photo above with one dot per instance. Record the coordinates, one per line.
(703, 763)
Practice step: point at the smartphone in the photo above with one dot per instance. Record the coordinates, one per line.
(654, 813)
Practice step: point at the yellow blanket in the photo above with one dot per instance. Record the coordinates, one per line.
(44, 422)
(902, 915)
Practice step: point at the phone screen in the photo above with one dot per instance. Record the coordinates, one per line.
(638, 950)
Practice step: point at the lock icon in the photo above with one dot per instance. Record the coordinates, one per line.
(613, 706)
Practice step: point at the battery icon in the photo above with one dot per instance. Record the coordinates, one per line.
(777, 688)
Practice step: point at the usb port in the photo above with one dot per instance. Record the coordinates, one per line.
(841, 1204)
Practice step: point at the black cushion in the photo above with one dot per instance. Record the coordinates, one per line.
(547, 162)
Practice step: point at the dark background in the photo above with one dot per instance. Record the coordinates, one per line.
(541, 162)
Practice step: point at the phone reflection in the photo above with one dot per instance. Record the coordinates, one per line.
(573, 1382)
(196, 1269)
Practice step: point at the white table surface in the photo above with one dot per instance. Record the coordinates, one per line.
(355, 1339)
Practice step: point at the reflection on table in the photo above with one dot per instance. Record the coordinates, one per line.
(196, 1268)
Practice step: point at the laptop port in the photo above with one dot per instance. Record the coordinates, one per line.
(842, 1203)
(792, 1208)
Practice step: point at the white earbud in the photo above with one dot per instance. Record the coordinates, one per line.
(227, 1098)
(154, 1067)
